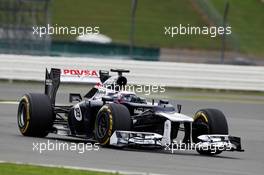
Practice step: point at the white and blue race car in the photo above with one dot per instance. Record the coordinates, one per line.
(112, 116)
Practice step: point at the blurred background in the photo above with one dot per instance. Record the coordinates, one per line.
(135, 29)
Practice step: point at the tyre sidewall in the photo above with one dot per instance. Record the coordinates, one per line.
(105, 110)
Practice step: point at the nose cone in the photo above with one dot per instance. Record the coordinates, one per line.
(176, 117)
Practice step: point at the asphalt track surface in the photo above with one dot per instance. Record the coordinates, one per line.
(245, 120)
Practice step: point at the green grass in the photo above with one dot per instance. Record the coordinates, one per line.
(113, 18)
(19, 169)
(247, 20)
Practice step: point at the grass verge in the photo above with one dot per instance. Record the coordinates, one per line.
(113, 18)
(246, 18)
(23, 169)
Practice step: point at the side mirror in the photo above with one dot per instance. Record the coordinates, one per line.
(75, 97)
(107, 98)
(179, 108)
(163, 102)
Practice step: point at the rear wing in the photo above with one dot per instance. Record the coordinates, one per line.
(55, 76)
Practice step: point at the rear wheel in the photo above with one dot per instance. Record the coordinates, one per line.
(35, 117)
(209, 121)
(111, 117)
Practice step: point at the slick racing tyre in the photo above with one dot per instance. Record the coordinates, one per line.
(209, 121)
(35, 117)
(111, 117)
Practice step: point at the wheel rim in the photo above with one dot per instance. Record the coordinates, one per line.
(22, 115)
(103, 125)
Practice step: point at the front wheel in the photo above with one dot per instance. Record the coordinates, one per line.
(209, 121)
(111, 117)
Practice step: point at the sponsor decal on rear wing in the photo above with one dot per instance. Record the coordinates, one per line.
(80, 76)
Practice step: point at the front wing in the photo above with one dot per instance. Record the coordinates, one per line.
(207, 142)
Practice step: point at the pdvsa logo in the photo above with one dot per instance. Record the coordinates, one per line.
(80, 73)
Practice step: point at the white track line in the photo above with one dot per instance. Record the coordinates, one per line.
(9, 102)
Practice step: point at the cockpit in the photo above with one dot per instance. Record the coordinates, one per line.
(114, 88)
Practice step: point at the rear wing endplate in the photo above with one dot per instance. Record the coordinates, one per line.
(52, 83)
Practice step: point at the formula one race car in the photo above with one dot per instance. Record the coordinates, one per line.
(112, 116)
